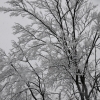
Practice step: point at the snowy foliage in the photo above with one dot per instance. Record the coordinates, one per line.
(56, 51)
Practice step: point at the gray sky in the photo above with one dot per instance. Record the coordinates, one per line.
(6, 23)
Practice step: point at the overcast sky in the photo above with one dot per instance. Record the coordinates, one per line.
(6, 23)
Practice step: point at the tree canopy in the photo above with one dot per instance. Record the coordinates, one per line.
(63, 38)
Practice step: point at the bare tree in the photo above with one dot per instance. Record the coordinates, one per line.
(64, 38)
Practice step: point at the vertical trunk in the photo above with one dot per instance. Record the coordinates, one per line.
(43, 96)
(84, 87)
(80, 92)
(59, 96)
(79, 89)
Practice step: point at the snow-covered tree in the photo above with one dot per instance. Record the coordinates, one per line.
(63, 37)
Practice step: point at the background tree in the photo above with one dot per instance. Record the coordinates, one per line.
(64, 38)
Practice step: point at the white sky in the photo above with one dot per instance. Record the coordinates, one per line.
(6, 23)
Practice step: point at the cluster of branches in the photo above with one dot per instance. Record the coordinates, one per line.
(64, 38)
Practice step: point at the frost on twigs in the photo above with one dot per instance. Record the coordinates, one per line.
(62, 38)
